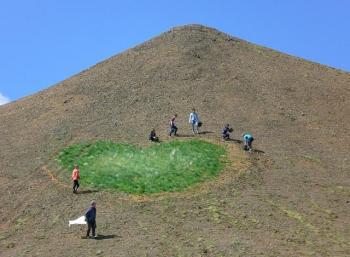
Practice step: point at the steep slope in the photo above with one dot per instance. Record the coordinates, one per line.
(295, 199)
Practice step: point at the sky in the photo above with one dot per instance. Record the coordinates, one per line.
(43, 42)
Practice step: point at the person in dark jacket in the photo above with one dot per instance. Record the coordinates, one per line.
(226, 132)
(173, 128)
(90, 217)
(153, 136)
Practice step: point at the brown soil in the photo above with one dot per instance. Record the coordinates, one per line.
(292, 200)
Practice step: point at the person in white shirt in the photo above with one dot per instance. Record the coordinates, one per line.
(194, 121)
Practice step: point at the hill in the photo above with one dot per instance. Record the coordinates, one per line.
(293, 200)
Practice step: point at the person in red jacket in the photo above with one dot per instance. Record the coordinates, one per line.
(75, 178)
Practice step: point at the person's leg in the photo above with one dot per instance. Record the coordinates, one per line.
(76, 188)
(173, 130)
(93, 229)
(154, 139)
(246, 148)
(193, 125)
(250, 144)
(88, 230)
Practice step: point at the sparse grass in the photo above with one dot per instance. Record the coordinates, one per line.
(165, 167)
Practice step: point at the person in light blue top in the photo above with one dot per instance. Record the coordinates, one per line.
(248, 140)
(194, 121)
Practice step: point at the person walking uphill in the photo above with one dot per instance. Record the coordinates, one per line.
(75, 178)
(90, 217)
(194, 121)
(173, 128)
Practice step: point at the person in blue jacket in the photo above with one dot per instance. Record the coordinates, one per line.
(248, 140)
(90, 217)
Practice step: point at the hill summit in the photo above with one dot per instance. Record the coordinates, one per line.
(297, 110)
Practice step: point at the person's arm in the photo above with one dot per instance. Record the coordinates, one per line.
(88, 214)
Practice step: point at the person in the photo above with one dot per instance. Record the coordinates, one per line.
(248, 140)
(173, 128)
(194, 121)
(226, 132)
(90, 217)
(152, 136)
(75, 178)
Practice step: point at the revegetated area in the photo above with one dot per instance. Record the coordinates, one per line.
(291, 199)
(163, 167)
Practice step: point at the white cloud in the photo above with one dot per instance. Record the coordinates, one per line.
(4, 99)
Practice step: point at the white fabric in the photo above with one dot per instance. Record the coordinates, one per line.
(78, 221)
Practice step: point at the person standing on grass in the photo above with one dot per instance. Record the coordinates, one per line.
(90, 217)
(75, 178)
(173, 128)
(194, 121)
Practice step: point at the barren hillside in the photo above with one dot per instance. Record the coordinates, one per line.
(293, 200)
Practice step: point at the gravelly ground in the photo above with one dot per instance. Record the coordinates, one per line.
(293, 200)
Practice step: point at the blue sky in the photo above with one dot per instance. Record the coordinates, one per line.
(45, 41)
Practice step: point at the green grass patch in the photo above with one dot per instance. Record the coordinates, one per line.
(165, 167)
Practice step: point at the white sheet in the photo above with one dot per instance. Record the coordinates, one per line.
(78, 221)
